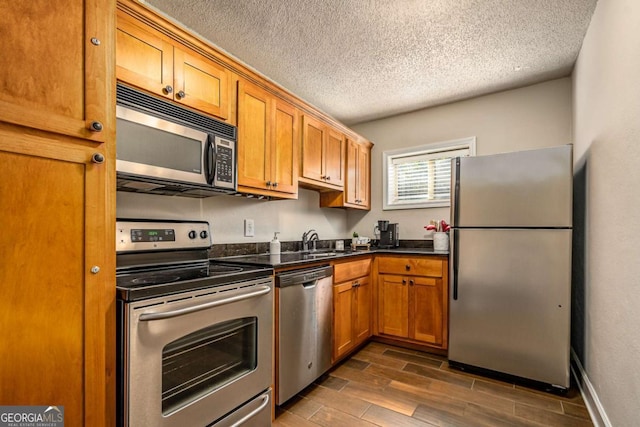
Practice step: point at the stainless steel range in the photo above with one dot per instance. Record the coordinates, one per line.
(194, 337)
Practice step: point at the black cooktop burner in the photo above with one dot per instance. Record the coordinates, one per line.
(154, 279)
(135, 284)
(215, 270)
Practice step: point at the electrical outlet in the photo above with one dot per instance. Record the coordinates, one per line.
(249, 229)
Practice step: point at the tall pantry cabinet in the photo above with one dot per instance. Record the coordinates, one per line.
(57, 207)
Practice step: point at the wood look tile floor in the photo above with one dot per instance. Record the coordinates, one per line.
(383, 385)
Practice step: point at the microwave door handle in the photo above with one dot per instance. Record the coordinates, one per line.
(211, 159)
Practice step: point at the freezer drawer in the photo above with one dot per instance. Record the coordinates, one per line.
(510, 302)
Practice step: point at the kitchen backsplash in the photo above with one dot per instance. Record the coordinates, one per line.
(235, 249)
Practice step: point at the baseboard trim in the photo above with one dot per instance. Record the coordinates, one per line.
(591, 400)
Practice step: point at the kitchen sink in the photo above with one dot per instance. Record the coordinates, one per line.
(318, 254)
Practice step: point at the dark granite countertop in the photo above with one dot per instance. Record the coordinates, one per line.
(289, 259)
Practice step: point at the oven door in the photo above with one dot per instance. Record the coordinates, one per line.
(195, 357)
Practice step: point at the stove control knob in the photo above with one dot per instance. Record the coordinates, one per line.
(192, 234)
(204, 234)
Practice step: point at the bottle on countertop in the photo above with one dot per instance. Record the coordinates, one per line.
(274, 246)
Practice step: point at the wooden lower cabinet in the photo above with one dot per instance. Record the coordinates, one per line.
(352, 296)
(412, 299)
(57, 276)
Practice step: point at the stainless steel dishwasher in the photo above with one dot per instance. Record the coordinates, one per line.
(305, 309)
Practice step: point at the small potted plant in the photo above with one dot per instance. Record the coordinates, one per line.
(354, 240)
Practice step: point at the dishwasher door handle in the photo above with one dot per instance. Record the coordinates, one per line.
(310, 285)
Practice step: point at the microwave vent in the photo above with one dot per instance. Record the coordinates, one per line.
(168, 111)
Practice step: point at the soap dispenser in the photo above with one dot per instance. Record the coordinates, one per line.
(274, 246)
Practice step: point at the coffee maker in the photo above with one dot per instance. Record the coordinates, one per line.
(389, 237)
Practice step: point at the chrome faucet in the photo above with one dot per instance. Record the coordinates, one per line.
(308, 238)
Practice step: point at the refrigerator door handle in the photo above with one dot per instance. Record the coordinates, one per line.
(455, 190)
(454, 263)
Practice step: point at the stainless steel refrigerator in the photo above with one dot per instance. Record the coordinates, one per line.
(511, 263)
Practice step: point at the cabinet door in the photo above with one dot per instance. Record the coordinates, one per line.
(313, 135)
(52, 76)
(200, 84)
(352, 179)
(56, 317)
(143, 58)
(343, 318)
(426, 316)
(284, 162)
(334, 158)
(254, 128)
(393, 300)
(362, 324)
(364, 176)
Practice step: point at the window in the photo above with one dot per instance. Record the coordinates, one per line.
(420, 177)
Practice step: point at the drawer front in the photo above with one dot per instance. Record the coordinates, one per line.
(351, 270)
(410, 266)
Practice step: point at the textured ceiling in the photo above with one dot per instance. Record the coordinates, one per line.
(359, 60)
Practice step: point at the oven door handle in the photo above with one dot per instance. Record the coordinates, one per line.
(261, 290)
(265, 401)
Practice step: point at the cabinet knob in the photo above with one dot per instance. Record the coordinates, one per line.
(275, 185)
(355, 284)
(97, 158)
(328, 178)
(95, 269)
(96, 126)
(404, 282)
(181, 94)
(167, 89)
(411, 282)
(268, 183)
(407, 267)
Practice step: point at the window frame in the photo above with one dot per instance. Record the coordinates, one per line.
(388, 156)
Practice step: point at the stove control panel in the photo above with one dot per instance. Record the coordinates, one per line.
(137, 235)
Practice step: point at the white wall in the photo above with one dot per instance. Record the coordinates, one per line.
(531, 117)
(606, 99)
(226, 215)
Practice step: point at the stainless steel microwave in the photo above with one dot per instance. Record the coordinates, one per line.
(162, 148)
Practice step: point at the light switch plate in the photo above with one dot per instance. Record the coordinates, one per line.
(249, 229)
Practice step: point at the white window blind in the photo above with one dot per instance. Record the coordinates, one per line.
(420, 177)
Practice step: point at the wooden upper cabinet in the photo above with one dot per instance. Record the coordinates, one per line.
(268, 137)
(54, 65)
(357, 188)
(334, 157)
(313, 136)
(363, 181)
(200, 84)
(150, 60)
(358, 174)
(323, 155)
(143, 58)
(284, 158)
